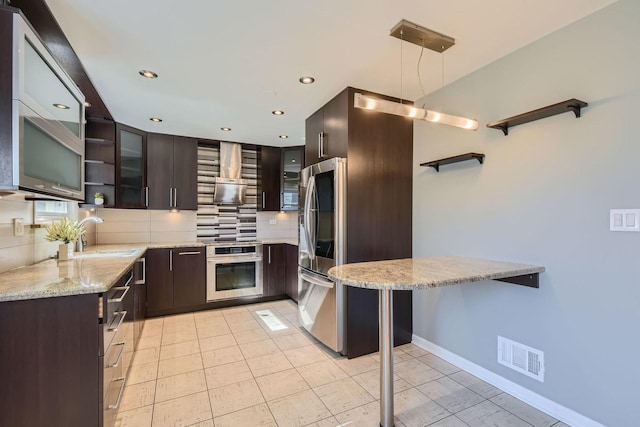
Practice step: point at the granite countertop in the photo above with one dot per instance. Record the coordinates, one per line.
(425, 273)
(93, 271)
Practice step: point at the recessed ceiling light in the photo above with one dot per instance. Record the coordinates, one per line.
(148, 74)
(277, 112)
(283, 136)
(306, 80)
(87, 104)
(61, 106)
(293, 160)
(225, 129)
(155, 119)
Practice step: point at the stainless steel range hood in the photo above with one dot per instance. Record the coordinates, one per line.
(230, 189)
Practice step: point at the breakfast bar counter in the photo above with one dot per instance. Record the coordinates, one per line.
(420, 273)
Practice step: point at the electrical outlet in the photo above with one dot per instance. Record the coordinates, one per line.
(624, 220)
(18, 226)
(273, 221)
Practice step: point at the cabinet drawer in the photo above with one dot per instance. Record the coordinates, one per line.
(112, 400)
(113, 361)
(114, 314)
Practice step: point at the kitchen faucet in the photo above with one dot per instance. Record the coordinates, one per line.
(82, 241)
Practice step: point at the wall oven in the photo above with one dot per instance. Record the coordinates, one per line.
(234, 271)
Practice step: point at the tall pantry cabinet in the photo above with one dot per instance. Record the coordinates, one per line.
(379, 152)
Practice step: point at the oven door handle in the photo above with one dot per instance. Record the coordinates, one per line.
(316, 280)
(236, 260)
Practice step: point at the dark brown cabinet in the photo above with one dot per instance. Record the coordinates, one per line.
(291, 271)
(291, 165)
(189, 277)
(176, 278)
(269, 179)
(139, 299)
(278, 178)
(131, 174)
(379, 152)
(99, 163)
(172, 172)
(51, 362)
(273, 273)
(326, 131)
(159, 280)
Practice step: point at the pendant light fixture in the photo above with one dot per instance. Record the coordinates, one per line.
(432, 40)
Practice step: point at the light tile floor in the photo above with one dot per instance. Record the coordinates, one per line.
(254, 366)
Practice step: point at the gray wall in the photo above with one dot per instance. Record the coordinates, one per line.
(543, 197)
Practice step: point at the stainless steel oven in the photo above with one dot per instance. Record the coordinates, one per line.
(234, 270)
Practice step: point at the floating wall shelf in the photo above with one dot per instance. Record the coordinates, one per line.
(562, 107)
(455, 159)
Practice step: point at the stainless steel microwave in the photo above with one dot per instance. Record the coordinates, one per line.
(44, 151)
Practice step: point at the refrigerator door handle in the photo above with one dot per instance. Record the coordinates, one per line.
(309, 197)
(316, 280)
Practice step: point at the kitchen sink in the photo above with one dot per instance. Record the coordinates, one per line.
(106, 253)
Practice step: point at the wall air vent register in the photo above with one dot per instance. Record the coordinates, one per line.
(521, 358)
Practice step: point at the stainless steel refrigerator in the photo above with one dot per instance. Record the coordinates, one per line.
(322, 219)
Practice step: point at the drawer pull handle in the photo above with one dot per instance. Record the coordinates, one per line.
(144, 272)
(117, 362)
(189, 253)
(124, 290)
(115, 405)
(122, 315)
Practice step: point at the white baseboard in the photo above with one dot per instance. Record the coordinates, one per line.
(545, 405)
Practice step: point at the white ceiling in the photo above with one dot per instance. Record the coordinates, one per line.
(231, 62)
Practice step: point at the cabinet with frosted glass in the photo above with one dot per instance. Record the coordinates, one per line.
(131, 174)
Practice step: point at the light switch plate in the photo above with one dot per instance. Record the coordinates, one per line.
(624, 220)
(18, 226)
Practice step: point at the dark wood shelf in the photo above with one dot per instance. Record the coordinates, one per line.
(455, 159)
(93, 205)
(562, 107)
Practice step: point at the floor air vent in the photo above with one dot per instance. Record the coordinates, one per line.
(521, 358)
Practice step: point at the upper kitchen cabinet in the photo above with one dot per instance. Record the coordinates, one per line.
(172, 172)
(269, 179)
(278, 177)
(100, 154)
(292, 161)
(326, 131)
(131, 177)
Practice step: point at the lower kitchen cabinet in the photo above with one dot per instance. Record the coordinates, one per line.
(273, 273)
(291, 271)
(139, 299)
(64, 360)
(176, 278)
(49, 362)
(189, 277)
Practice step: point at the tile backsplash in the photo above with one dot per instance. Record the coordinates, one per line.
(119, 226)
(17, 251)
(143, 226)
(286, 225)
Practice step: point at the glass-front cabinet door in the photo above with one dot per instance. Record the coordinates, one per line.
(292, 161)
(131, 177)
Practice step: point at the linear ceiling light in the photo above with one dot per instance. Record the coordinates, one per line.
(423, 37)
(406, 110)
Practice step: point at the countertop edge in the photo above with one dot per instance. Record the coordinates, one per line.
(28, 287)
(383, 276)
